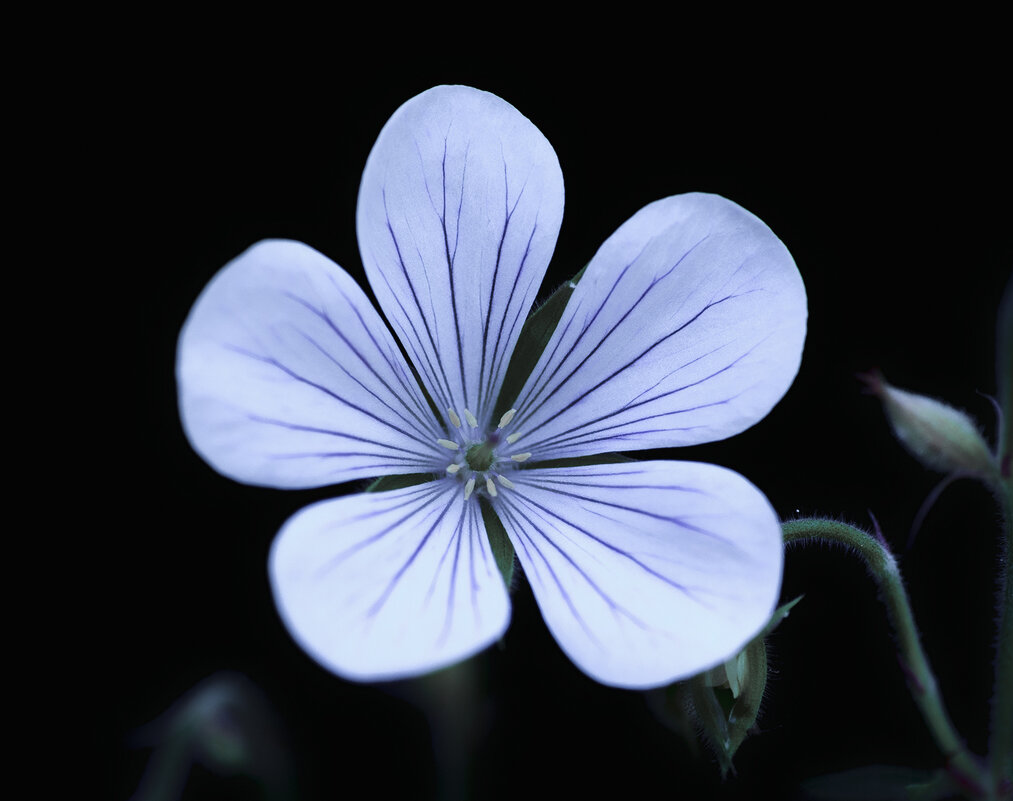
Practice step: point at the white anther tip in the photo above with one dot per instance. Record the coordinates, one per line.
(490, 487)
(471, 419)
(506, 482)
(453, 468)
(454, 419)
(449, 444)
(520, 457)
(513, 438)
(504, 421)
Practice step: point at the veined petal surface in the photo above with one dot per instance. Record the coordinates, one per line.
(459, 208)
(288, 377)
(646, 572)
(386, 585)
(687, 327)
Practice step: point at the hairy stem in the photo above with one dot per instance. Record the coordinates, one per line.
(963, 765)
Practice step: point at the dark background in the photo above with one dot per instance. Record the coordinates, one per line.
(891, 189)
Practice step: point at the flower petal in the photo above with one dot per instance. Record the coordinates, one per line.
(459, 209)
(385, 585)
(687, 327)
(288, 377)
(646, 572)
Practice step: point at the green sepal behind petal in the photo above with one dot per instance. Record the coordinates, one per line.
(535, 335)
(502, 548)
(388, 483)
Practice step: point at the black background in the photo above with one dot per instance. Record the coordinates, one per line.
(890, 188)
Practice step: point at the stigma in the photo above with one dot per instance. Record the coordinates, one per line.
(482, 455)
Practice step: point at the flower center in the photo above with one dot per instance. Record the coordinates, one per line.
(487, 457)
(481, 455)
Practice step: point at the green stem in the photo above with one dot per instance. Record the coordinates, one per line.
(921, 681)
(1001, 741)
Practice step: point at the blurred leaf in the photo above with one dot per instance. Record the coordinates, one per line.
(879, 783)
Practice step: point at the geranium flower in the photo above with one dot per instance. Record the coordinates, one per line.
(687, 327)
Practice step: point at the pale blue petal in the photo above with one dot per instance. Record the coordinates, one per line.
(687, 327)
(459, 209)
(649, 572)
(288, 377)
(386, 585)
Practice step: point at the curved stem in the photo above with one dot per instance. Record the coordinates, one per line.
(963, 765)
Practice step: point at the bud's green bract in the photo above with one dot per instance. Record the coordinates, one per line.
(937, 435)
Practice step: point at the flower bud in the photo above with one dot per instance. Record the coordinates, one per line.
(720, 705)
(936, 434)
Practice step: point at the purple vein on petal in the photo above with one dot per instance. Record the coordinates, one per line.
(630, 363)
(326, 431)
(524, 539)
(378, 605)
(420, 429)
(500, 356)
(408, 383)
(612, 604)
(422, 361)
(451, 256)
(507, 213)
(524, 412)
(523, 477)
(615, 549)
(475, 531)
(429, 446)
(411, 286)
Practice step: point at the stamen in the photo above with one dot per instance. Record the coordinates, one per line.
(506, 482)
(504, 421)
(449, 444)
(469, 488)
(520, 457)
(453, 468)
(490, 487)
(471, 419)
(513, 438)
(454, 419)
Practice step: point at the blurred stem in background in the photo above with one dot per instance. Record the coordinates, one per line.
(224, 723)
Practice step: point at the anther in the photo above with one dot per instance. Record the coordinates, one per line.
(471, 419)
(490, 487)
(520, 457)
(504, 421)
(449, 444)
(454, 419)
(469, 488)
(513, 438)
(506, 482)
(453, 468)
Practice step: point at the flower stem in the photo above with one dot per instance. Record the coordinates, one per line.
(962, 764)
(1001, 741)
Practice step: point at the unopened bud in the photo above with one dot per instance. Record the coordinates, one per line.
(936, 434)
(720, 705)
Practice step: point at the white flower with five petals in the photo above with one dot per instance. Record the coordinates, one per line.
(687, 327)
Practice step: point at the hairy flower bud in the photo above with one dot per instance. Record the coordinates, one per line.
(936, 434)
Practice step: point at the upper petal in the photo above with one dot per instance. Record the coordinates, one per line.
(646, 572)
(288, 377)
(386, 585)
(687, 327)
(459, 209)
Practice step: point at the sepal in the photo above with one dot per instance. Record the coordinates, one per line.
(720, 706)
